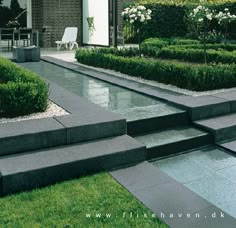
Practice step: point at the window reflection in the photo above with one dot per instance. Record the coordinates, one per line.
(13, 13)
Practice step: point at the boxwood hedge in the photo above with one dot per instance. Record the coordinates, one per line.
(198, 77)
(21, 91)
(189, 50)
(169, 17)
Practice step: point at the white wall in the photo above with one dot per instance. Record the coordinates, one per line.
(99, 9)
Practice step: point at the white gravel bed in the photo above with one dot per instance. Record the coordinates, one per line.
(52, 110)
(70, 57)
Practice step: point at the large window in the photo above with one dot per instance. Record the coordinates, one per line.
(13, 10)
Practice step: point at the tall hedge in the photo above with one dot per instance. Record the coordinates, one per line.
(169, 17)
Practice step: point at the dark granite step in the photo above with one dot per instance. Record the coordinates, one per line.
(222, 127)
(228, 145)
(141, 120)
(175, 140)
(41, 168)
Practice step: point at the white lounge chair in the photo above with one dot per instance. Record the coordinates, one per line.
(69, 38)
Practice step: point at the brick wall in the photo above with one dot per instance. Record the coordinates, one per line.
(56, 15)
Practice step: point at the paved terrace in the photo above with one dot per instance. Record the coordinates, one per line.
(201, 181)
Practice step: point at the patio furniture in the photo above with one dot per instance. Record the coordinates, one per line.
(69, 38)
(25, 37)
(6, 34)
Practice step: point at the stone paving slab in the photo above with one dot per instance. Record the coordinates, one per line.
(169, 199)
(43, 167)
(28, 135)
(230, 96)
(204, 106)
(222, 127)
(81, 128)
(230, 145)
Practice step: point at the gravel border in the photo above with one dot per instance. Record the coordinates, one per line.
(52, 110)
(70, 57)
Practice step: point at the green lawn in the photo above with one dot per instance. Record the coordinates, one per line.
(66, 205)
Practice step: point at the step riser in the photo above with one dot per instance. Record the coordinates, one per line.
(49, 175)
(63, 136)
(225, 134)
(177, 147)
(221, 134)
(154, 124)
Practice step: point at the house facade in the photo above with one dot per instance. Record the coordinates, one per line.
(52, 17)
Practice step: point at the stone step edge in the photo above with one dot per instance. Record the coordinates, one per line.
(78, 160)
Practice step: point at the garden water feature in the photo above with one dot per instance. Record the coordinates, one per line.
(130, 105)
(197, 170)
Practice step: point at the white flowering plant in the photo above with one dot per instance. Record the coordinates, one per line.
(224, 18)
(201, 14)
(201, 17)
(136, 14)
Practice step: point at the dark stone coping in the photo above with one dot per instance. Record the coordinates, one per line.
(164, 196)
(197, 107)
(48, 166)
(222, 127)
(229, 145)
(85, 122)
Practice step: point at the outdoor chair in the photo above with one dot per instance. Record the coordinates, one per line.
(69, 38)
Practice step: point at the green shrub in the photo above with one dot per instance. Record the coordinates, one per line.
(217, 47)
(21, 91)
(197, 77)
(196, 55)
(189, 50)
(170, 18)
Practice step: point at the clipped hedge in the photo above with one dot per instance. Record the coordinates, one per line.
(189, 50)
(197, 55)
(169, 18)
(21, 91)
(197, 77)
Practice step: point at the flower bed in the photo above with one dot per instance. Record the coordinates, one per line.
(21, 91)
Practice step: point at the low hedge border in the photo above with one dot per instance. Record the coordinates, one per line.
(185, 43)
(21, 91)
(184, 50)
(198, 78)
(191, 55)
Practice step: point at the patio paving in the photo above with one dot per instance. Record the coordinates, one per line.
(200, 177)
(209, 172)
